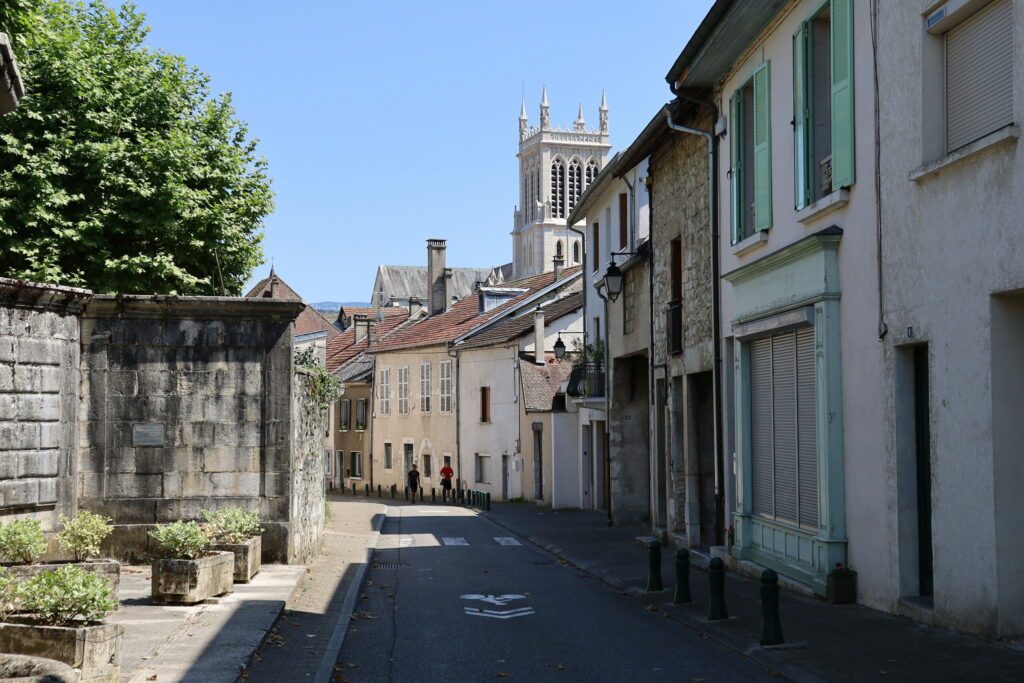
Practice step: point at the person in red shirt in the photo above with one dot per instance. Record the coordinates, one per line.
(446, 482)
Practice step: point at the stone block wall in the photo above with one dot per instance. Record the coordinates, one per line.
(39, 355)
(308, 470)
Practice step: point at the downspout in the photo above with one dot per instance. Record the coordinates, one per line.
(883, 329)
(458, 420)
(712, 141)
(606, 447)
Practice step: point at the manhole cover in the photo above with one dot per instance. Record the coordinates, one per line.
(389, 565)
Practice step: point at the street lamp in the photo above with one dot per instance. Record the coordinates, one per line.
(613, 281)
(559, 347)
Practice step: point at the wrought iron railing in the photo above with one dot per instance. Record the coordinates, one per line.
(674, 327)
(586, 381)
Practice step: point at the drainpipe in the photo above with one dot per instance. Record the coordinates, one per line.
(712, 141)
(458, 419)
(606, 447)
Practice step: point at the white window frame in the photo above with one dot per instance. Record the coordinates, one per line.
(356, 458)
(426, 380)
(481, 468)
(446, 386)
(389, 455)
(385, 391)
(403, 390)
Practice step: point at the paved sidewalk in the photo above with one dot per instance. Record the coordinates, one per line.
(206, 643)
(824, 642)
(304, 643)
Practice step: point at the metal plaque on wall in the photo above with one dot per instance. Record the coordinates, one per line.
(148, 434)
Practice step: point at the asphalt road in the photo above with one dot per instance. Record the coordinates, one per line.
(487, 611)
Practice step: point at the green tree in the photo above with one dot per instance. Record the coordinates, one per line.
(119, 171)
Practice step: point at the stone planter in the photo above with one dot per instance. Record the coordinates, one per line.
(95, 650)
(247, 557)
(109, 568)
(26, 669)
(192, 581)
(841, 589)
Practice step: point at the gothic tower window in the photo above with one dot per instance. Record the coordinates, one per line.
(575, 252)
(591, 171)
(575, 185)
(559, 252)
(558, 189)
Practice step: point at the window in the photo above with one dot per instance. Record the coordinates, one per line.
(823, 103)
(623, 220)
(979, 74)
(559, 251)
(426, 464)
(403, 390)
(388, 458)
(481, 468)
(596, 246)
(591, 172)
(407, 447)
(361, 413)
(425, 388)
(783, 428)
(558, 189)
(485, 404)
(447, 461)
(446, 386)
(576, 252)
(575, 185)
(750, 174)
(344, 414)
(675, 306)
(356, 467)
(384, 391)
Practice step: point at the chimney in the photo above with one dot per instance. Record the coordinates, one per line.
(362, 325)
(559, 263)
(538, 336)
(449, 289)
(437, 299)
(371, 332)
(414, 306)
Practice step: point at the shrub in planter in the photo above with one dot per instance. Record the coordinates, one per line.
(189, 571)
(237, 531)
(60, 609)
(22, 541)
(841, 585)
(82, 534)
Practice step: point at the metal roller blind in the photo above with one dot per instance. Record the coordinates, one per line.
(807, 413)
(979, 74)
(762, 477)
(784, 401)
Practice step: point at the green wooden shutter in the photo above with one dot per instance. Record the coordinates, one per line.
(842, 92)
(762, 150)
(801, 123)
(736, 159)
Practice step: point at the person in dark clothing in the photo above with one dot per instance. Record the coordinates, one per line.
(446, 482)
(414, 481)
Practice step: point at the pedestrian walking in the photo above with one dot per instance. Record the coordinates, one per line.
(414, 481)
(446, 482)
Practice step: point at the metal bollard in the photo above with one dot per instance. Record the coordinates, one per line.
(407, 493)
(682, 595)
(487, 501)
(654, 567)
(433, 495)
(380, 491)
(771, 627)
(353, 488)
(367, 488)
(393, 492)
(716, 578)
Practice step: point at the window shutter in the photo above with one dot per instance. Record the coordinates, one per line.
(979, 75)
(807, 411)
(801, 122)
(736, 157)
(784, 406)
(761, 457)
(842, 92)
(762, 149)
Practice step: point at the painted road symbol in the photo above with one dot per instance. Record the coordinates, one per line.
(456, 540)
(499, 600)
(506, 540)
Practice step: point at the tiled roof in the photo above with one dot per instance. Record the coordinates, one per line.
(541, 382)
(514, 328)
(344, 347)
(311, 320)
(404, 282)
(462, 317)
(273, 286)
(350, 312)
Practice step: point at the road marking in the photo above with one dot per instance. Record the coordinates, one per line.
(454, 540)
(495, 614)
(506, 540)
(499, 600)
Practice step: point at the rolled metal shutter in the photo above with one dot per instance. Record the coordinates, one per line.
(784, 401)
(761, 456)
(979, 75)
(807, 436)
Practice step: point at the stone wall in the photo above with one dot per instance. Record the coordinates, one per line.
(39, 355)
(186, 405)
(308, 471)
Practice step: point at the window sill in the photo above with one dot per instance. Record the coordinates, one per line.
(824, 206)
(1006, 134)
(749, 244)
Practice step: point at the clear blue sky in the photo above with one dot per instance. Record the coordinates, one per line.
(386, 123)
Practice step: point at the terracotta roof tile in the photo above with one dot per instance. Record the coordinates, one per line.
(514, 328)
(344, 347)
(541, 382)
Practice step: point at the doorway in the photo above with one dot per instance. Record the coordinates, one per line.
(408, 456)
(600, 466)
(504, 477)
(923, 461)
(538, 463)
(700, 387)
(661, 454)
(587, 468)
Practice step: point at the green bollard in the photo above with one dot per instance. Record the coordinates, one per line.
(353, 488)
(771, 627)
(407, 493)
(380, 491)
(682, 595)
(394, 491)
(654, 567)
(433, 495)
(487, 501)
(716, 578)
(367, 488)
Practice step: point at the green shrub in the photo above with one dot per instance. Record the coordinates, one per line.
(8, 593)
(22, 541)
(181, 540)
(66, 594)
(82, 534)
(232, 525)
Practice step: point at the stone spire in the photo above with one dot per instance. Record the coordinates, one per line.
(603, 109)
(524, 123)
(580, 123)
(545, 113)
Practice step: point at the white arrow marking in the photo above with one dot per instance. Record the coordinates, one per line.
(510, 614)
(506, 540)
(499, 600)
(457, 540)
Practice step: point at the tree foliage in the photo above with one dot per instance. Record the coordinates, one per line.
(119, 171)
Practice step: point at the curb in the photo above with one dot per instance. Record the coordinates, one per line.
(326, 669)
(736, 643)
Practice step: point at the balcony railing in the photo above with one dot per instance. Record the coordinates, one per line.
(674, 326)
(586, 381)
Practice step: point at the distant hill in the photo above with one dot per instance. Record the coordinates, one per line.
(333, 306)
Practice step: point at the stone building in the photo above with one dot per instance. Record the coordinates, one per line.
(556, 165)
(312, 328)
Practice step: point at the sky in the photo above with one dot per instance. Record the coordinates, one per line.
(388, 123)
